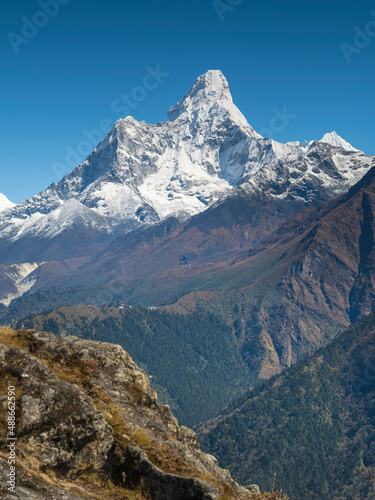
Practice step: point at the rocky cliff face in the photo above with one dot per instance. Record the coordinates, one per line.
(88, 425)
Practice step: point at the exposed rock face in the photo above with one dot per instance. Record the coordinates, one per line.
(85, 406)
(141, 471)
(57, 423)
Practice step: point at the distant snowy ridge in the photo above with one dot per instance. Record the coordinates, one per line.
(335, 140)
(5, 203)
(141, 174)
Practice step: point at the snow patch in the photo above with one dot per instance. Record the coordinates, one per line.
(5, 203)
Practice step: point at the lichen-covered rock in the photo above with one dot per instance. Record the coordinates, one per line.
(111, 369)
(57, 423)
(140, 471)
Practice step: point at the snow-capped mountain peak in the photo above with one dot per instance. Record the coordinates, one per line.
(335, 140)
(210, 98)
(144, 173)
(208, 88)
(5, 203)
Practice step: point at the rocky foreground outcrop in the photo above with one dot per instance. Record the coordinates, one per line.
(88, 425)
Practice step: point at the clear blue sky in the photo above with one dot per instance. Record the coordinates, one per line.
(273, 53)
